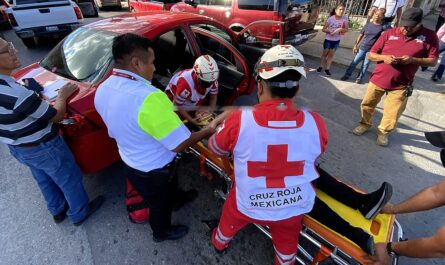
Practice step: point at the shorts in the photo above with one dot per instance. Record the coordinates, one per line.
(331, 44)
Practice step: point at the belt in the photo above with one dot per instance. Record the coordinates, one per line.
(28, 145)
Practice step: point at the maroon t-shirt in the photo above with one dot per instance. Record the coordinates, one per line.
(424, 44)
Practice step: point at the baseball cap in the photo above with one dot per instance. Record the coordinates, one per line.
(411, 17)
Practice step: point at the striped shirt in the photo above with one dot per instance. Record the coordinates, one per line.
(24, 116)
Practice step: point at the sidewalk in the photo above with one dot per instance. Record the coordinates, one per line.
(343, 55)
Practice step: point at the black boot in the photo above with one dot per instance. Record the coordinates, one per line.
(174, 233)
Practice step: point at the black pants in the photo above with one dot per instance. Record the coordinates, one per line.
(342, 193)
(157, 187)
(440, 21)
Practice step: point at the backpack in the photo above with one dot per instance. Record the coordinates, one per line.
(137, 208)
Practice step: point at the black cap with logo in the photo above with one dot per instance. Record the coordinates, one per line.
(411, 17)
(437, 139)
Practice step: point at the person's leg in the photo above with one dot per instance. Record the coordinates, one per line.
(323, 56)
(369, 204)
(364, 68)
(230, 223)
(55, 201)
(357, 59)
(285, 235)
(372, 97)
(329, 58)
(325, 215)
(67, 175)
(155, 188)
(440, 70)
(393, 108)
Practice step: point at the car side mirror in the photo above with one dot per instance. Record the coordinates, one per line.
(191, 2)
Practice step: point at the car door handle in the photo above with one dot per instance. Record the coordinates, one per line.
(44, 10)
(201, 11)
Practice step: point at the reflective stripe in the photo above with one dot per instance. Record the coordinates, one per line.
(282, 123)
(221, 238)
(215, 148)
(283, 258)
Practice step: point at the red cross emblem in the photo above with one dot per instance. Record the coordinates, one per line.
(276, 168)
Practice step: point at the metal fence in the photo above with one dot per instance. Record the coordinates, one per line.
(356, 10)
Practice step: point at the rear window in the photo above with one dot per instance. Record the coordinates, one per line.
(85, 55)
(266, 5)
(27, 2)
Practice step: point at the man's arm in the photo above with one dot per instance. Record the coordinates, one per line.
(429, 198)
(419, 61)
(427, 247)
(357, 42)
(60, 105)
(194, 138)
(388, 59)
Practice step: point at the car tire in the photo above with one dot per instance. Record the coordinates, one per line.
(29, 42)
(96, 12)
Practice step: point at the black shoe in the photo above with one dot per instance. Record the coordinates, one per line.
(176, 232)
(58, 218)
(376, 200)
(358, 81)
(183, 197)
(434, 78)
(424, 68)
(344, 78)
(92, 207)
(328, 73)
(210, 224)
(364, 240)
(319, 69)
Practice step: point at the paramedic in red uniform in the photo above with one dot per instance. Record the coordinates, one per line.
(398, 52)
(189, 88)
(274, 148)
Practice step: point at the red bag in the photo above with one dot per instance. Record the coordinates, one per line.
(137, 208)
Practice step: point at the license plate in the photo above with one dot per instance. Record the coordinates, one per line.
(52, 28)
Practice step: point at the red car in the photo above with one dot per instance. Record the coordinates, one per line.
(148, 5)
(267, 22)
(84, 57)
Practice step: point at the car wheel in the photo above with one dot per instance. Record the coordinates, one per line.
(29, 42)
(96, 12)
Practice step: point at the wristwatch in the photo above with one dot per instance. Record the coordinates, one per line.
(390, 250)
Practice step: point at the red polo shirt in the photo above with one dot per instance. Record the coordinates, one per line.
(424, 44)
(224, 140)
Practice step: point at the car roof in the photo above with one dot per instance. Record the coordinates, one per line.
(140, 23)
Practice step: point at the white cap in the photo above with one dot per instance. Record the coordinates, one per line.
(278, 59)
(206, 68)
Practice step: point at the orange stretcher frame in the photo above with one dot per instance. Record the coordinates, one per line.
(329, 243)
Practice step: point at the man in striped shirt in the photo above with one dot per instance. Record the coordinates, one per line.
(27, 126)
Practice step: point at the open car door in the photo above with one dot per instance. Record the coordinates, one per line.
(234, 78)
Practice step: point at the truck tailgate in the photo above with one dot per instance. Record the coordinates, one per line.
(53, 13)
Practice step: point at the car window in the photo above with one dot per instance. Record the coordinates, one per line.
(173, 53)
(85, 55)
(220, 32)
(217, 2)
(266, 5)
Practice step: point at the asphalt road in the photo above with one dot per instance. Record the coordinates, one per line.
(29, 236)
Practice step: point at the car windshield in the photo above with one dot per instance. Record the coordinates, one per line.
(266, 5)
(85, 55)
(27, 2)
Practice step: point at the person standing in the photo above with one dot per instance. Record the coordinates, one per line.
(441, 68)
(393, 9)
(149, 134)
(29, 128)
(335, 27)
(368, 36)
(398, 52)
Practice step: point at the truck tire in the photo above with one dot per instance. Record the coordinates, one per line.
(29, 42)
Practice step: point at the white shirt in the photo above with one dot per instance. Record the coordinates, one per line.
(119, 101)
(390, 5)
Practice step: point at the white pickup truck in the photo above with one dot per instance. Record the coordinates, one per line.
(36, 18)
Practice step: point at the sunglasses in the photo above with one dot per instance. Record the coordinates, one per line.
(10, 49)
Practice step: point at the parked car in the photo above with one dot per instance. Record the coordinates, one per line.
(266, 22)
(84, 58)
(148, 5)
(108, 3)
(37, 18)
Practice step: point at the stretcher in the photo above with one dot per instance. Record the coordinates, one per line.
(317, 242)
